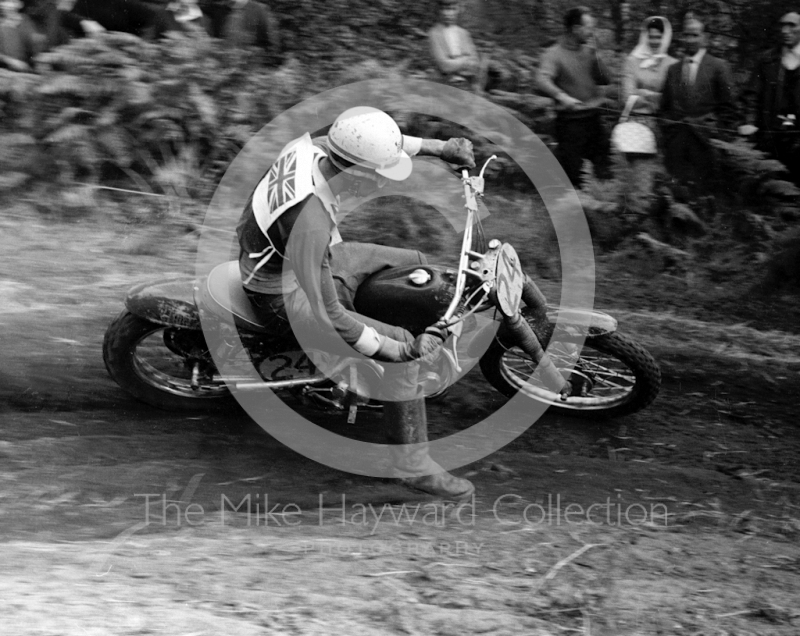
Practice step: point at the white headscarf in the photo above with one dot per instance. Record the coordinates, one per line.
(644, 53)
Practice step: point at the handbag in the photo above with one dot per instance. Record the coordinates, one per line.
(631, 136)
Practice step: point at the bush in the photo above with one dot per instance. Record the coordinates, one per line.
(114, 106)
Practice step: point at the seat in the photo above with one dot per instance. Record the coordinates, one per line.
(224, 295)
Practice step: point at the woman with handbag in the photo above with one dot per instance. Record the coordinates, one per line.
(643, 78)
(645, 70)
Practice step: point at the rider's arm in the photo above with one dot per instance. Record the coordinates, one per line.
(307, 251)
(456, 150)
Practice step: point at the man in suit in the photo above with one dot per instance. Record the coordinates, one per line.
(776, 83)
(697, 104)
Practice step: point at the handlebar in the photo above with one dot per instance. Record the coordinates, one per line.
(472, 186)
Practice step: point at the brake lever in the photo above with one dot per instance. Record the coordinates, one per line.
(455, 329)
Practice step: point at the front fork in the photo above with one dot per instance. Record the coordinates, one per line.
(525, 338)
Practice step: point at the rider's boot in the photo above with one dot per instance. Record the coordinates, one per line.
(408, 435)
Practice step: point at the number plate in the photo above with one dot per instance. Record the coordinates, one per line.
(288, 365)
(508, 281)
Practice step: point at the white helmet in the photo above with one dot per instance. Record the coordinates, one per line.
(369, 138)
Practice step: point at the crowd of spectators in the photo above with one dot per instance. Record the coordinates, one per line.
(687, 100)
(29, 27)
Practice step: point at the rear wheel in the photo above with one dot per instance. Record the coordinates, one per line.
(163, 366)
(617, 374)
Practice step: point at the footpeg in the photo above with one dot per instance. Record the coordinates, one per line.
(352, 411)
(196, 376)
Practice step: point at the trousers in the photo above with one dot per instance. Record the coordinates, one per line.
(689, 156)
(582, 137)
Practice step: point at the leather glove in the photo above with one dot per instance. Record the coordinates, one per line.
(458, 151)
(390, 350)
(428, 342)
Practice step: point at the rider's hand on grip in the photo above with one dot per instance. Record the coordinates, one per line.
(428, 342)
(395, 351)
(459, 151)
(452, 330)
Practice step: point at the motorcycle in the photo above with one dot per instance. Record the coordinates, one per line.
(157, 349)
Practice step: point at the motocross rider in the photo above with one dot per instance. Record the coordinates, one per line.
(316, 274)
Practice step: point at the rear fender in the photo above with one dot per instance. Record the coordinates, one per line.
(168, 302)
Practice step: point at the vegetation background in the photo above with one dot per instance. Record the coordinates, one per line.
(165, 119)
(108, 158)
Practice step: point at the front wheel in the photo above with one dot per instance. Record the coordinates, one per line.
(617, 374)
(165, 367)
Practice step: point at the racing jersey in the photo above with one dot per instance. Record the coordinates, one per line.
(313, 228)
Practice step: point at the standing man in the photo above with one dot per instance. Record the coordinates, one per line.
(453, 50)
(244, 23)
(777, 85)
(697, 103)
(17, 38)
(572, 73)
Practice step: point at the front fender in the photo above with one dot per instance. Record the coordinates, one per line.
(574, 324)
(168, 302)
(584, 322)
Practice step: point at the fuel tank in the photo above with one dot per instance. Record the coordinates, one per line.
(412, 297)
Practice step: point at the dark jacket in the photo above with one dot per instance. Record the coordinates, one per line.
(129, 16)
(709, 101)
(767, 84)
(252, 25)
(57, 27)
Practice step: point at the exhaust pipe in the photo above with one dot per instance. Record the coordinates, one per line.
(235, 385)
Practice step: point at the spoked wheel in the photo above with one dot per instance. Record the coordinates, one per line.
(166, 367)
(614, 375)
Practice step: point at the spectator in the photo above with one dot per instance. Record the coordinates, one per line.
(453, 51)
(245, 23)
(572, 73)
(777, 87)
(17, 37)
(129, 16)
(188, 15)
(56, 24)
(697, 105)
(216, 11)
(645, 70)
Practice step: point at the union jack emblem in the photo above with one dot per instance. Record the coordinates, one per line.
(281, 181)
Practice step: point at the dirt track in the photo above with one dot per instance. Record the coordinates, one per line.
(715, 457)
